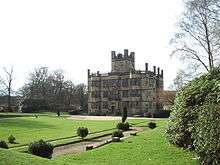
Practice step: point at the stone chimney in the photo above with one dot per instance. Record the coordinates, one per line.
(154, 69)
(158, 70)
(146, 66)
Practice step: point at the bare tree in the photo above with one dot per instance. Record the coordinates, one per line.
(166, 98)
(6, 85)
(52, 91)
(69, 90)
(182, 78)
(38, 79)
(56, 84)
(82, 96)
(197, 42)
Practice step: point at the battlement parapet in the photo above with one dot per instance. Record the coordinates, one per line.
(125, 56)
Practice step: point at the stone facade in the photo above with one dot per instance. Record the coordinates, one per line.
(124, 87)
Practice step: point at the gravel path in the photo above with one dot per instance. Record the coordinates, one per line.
(81, 117)
(81, 146)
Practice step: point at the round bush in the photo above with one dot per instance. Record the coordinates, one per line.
(3, 144)
(152, 125)
(126, 126)
(118, 133)
(41, 148)
(11, 139)
(82, 132)
(123, 126)
(120, 126)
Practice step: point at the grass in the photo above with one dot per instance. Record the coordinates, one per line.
(12, 115)
(148, 148)
(18, 114)
(29, 129)
(8, 157)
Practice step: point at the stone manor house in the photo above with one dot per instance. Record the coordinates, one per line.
(124, 87)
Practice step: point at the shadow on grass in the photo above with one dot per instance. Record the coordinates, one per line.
(14, 143)
(3, 116)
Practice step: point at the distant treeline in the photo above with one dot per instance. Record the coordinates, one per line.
(47, 90)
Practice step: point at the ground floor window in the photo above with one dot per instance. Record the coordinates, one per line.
(105, 105)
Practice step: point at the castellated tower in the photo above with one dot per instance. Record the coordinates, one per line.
(123, 62)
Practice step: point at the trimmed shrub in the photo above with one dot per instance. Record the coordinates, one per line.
(123, 126)
(152, 125)
(133, 133)
(11, 139)
(89, 147)
(118, 133)
(41, 148)
(3, 144)
(126, 126)
(120, 126)
(58, 113)
(161, 114)
(124, 114)
(158, 114)
(82, 132)
(73, 112)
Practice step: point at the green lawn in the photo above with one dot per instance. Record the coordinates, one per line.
(19, 114)
(28, 129)
(8, 157)
(148, 148)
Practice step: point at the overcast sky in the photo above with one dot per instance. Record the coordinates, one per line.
(76, 35)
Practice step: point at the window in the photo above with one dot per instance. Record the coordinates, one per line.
(131, 104)
(146, 106)
(135, 82)
(105, 94)
(105, 83)
(152, 82)
(114, 83)
(125, 82)
(146, 82)
(96, 94)
(135, 93)
(95, 105)
(95, 83)
(138, 82)
(125, 104)
(125, 93)
(114, 95)
(105, 105)
(149, 92)
(150, 105)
